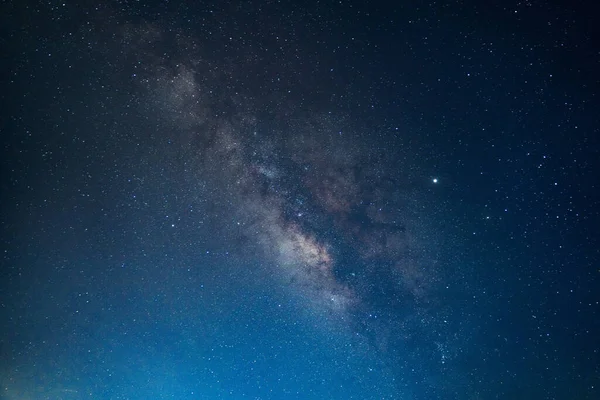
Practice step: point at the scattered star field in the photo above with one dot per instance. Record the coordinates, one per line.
(300, 200)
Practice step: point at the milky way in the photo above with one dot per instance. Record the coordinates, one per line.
(282, 201)
(290, 176)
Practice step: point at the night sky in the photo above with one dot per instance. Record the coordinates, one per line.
(300, 200)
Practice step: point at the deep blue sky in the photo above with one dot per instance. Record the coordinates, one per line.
(279, 200)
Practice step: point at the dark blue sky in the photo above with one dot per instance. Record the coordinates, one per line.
(279, 200)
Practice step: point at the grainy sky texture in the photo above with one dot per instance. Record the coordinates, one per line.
(300, 200)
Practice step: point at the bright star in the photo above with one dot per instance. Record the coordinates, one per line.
(435, 180)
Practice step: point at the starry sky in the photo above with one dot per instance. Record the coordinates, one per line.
(300, 200)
